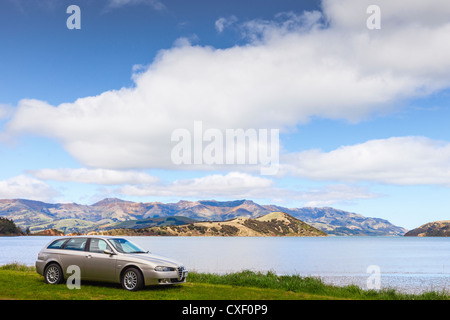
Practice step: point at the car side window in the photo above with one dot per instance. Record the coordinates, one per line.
(76, 244)
(57, 244)
(98, 245)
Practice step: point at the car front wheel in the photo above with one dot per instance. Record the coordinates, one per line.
(132, 280)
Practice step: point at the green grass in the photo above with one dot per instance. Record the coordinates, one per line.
(309, 286)
(22, 282)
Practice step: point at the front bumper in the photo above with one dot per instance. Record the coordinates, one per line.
(152, 277)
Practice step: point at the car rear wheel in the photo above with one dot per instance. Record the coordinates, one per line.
(53, 274)
(132, 280)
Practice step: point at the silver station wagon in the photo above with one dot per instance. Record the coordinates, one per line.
(109, 259)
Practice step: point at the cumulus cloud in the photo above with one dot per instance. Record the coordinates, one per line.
(397, 160)
(296, 67)
(95, 176)
(24, 187)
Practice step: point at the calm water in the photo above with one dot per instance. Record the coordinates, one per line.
(407, 264)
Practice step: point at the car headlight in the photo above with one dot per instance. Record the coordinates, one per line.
(162, 268)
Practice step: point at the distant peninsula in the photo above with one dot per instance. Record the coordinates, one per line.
(431, 229)
(272, 224)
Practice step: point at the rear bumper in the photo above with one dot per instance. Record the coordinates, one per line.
(40, 265)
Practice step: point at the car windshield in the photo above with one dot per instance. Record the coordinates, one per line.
(125, 246)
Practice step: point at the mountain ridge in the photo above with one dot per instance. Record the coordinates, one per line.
(75, 217)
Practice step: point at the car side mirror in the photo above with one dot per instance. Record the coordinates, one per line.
(108, 252)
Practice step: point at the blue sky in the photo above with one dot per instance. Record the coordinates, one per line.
(362, 114)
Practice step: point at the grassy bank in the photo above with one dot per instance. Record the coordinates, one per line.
(22, 282)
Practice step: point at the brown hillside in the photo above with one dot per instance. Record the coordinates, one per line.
(272, 224)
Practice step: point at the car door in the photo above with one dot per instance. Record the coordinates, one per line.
(73, 253)
(99, 265)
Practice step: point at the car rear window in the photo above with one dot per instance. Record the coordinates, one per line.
(57, 244)
(76, 244)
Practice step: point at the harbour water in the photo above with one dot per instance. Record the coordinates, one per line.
(407, 264)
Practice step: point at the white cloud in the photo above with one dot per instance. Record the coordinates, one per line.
(5, 111)
(95, 176)
(235, 185)
(335, 194)
(284, 23)
(24, 187)
(351, 14)
(397, 160)
(155, 4)
(223, 23)
(292, 69)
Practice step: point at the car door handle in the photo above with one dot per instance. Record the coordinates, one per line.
(88, 256)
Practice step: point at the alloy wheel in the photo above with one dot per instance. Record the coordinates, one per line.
(53, 274)
(130, 280)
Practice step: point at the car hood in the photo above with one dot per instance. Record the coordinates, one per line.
(155, 259)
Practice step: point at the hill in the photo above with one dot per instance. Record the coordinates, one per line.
(49, 232)
(150, 222)
(342, 223)
(9, 228)
(106, 214)
(272, 224)
(431, 229)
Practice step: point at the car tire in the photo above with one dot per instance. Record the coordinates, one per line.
(132, 279)
(53, 274)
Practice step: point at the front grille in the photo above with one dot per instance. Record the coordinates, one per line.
(180, 273)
